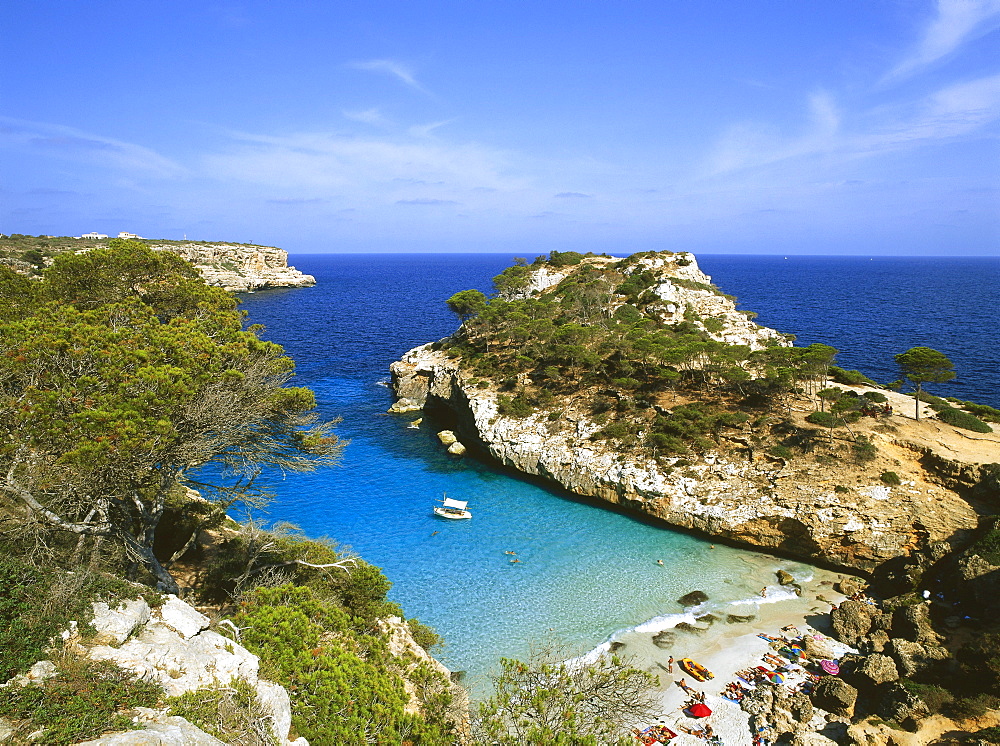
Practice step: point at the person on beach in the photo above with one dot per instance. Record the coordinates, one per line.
(670, 664)
(763, 592)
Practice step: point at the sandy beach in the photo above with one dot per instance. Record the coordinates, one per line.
(725, 640)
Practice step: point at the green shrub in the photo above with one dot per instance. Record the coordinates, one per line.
(890, 478)
(36, 605)
(864, 450)
(850, 377)
(988, 547)
(714, 325)
(83, 701)
(841, 489)
(935, 697)
(233, 714)
(826, 419)
(990, 735)
(964, 420)
(982, 411)
(565, 258)
(517, 406)
(342, 689)
(966, 708)
(877, 397)
(424, 635)
(781, 451)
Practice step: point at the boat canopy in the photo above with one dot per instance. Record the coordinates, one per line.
(458, 504)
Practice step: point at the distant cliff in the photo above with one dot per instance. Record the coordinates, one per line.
(240, 267)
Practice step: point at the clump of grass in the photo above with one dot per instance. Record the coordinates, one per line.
(890, 478)
(85, 699)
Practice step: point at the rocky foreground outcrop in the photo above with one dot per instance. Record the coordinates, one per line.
(240, 267)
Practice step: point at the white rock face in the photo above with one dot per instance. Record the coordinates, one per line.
(241, 268)
(159, 730)
(115, 625)
(176, 649)
(760, 503)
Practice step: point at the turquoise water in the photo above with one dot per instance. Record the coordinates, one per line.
(585, 572)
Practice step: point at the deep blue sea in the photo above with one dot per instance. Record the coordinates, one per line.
(585, 571)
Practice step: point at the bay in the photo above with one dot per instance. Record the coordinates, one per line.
(584, 571)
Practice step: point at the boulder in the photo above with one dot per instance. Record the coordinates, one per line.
(877, 640)
(694, 598)
(877, 669)
(835, 695)
(159, 730)
(818, 649)
(895, 702)
(811, 738)
(852, 620)
(115, 625)
(912, 657)
(447, 437)
(784, 577)
(456, 449)
(736, 619)
(913, 623)
(850, 585)
(693, 628)
(403, 405)
(181, 618)
(664, 638)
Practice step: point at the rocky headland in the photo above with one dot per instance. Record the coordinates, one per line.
(824, 506)
(240, 268)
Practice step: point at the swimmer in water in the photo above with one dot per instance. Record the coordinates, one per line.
(659, 562)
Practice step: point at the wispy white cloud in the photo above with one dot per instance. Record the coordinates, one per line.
(955, 23)
(384, 169)
(392, 68)
(367, 116)
(425, 130)
(67, 143)
(954, 111)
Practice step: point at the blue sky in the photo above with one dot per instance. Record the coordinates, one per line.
(768, 126)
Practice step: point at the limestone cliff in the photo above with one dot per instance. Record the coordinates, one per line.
(240, 267)
(832, 509)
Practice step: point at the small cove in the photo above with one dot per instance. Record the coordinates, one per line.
(584, 572)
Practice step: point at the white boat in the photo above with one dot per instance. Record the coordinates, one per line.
(454, 509)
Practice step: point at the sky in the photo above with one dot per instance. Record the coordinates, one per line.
(723, 126)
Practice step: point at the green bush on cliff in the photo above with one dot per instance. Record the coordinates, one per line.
(342, 685)
(964, 420)
(85, 699)
(36, 604)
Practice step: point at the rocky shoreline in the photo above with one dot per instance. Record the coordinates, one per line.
(764, 504)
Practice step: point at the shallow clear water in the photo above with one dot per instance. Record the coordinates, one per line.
(584, 571)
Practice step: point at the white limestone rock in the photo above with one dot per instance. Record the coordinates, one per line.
(447, 437)
(115, 625)
(456, 449)
(241, 268)
(182, 618)
(181, 664)
(41, 671)
(274, 698)
(159, 730)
